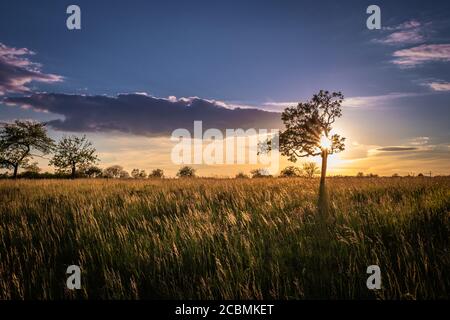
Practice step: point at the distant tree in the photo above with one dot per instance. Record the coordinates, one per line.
(310, 169)
(360, 174)
(395, 175)
(308, 129)
(260, 173)
(372, 175)
(115, 172)
(32, 167)
(420, 175)
(73, 153)
(290, 172)
(135, 173)
(93, 171)
(124, 174)
(19, 140)
(241, 175)
(156, 173)
(138, 174)
(186, 172)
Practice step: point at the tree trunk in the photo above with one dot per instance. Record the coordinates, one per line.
(73, 172)
(16, 168)
(323, 172)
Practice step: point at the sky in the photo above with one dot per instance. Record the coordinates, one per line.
(137, 70)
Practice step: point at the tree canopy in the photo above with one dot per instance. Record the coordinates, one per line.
(74, 153)
(19, 141)
(307, 124)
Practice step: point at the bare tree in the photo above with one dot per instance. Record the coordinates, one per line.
(73, 153)
(19, 140)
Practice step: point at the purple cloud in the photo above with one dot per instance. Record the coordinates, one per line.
(422, 54)
(17, 70)
(142, 114)
(406, 33)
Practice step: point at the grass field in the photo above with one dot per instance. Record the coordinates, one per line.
(230, 239)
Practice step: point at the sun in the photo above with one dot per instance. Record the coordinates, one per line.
(325, 143)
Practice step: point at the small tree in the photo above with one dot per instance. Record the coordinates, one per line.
(115, 172)
(135, 173)
(157, 173)
(360, 174)
(186, 172)
(17, 142)
(138, 174)
(241, 175)
(73, 153)
(290, 172)
(93, 171)
(310, 169)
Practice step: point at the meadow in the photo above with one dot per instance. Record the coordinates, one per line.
(224, 238)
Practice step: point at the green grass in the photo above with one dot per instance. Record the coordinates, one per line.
(228, 239)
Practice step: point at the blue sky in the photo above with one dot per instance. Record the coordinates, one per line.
(262, 54)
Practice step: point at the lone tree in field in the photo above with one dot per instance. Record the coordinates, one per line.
(186, 172)
(19, 140)
(74, 153)
(308, 129)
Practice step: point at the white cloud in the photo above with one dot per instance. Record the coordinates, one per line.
(439, 86)
(422, 54)
(411, 31)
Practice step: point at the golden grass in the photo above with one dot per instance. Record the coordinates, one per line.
(229, 239)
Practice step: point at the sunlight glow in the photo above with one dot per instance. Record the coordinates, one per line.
(325, 143)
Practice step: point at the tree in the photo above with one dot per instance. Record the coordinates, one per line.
(360, 174)
(260, 173)
(93, 171)
(156, 173)
(310, 169)
(290, 172)
(73, 153)
(308, 129)
(186, 172)
(115, 172)
(241, 175)
(18, 140)
(138, 174)
(32, 167)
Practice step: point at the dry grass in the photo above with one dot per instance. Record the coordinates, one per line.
(230, 239)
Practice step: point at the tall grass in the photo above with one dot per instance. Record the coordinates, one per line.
(229, 239)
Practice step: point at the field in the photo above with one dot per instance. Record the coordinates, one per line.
(228, 239)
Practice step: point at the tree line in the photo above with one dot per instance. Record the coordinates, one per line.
(75, 156)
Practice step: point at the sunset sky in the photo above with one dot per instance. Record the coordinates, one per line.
(137, 70)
